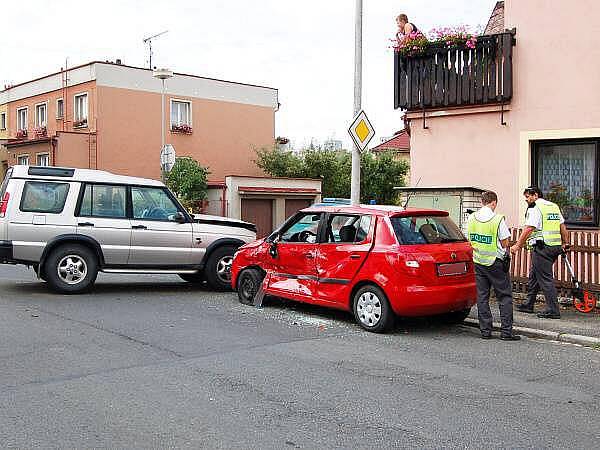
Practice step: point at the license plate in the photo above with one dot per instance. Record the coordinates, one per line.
(445, 270)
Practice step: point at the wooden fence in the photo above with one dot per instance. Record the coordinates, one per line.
(584, 258)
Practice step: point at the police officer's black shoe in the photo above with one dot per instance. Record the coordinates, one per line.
(525, 309)
(511, 337)
(486, 336)
(548, 315)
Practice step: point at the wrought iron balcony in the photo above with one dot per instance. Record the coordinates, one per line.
(456, 76)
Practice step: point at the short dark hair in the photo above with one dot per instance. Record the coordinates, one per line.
(488, 197)
(530, 190)
(402, 17)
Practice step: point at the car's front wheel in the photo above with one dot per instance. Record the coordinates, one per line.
(249, 282)
(218, 268)
(372, 309)
(71, 269)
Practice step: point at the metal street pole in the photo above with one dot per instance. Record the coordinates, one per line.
(162, 75)
(355, 177)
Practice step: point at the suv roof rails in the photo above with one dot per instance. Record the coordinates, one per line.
(51, 171)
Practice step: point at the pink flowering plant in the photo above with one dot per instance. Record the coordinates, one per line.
(182, 128)
(40, 132)
(417, 43)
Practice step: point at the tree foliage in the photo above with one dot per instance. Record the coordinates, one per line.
(379, 173)
(188, 181)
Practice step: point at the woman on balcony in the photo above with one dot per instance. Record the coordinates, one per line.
(404, 27)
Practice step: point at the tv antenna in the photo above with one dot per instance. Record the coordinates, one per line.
(148, 41)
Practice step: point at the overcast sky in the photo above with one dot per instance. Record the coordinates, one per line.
(303, 48)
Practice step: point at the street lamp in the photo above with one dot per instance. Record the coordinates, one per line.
(162, 75)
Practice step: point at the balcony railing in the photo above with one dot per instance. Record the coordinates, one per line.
(456, 76)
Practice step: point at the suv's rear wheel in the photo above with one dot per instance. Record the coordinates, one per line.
(218, 268)
(372, 309)
(249, 281)
(71, 269)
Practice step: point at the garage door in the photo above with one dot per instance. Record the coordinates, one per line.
(294, 204)
(260, 213)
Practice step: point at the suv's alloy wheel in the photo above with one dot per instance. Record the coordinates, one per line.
(71, 269)
(218, 268)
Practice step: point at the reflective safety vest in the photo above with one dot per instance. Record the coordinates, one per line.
(550, 232)
(484, 239)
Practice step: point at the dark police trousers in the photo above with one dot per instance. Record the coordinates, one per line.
(494, 276)
(543, 258)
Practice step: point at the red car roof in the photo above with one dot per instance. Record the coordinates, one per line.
(378, 210)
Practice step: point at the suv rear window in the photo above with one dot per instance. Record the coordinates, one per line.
(414, 230)
(44, 197)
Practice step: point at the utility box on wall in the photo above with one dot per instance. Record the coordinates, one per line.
(458, 201)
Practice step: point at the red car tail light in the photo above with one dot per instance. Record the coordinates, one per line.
(4, 204)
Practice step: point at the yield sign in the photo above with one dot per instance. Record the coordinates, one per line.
(361, 130)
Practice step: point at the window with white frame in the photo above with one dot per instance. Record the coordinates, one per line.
(80, 110)
(60, 108)
(23, 160)
(41, 115)
(181, 113)
(3, 121)
(43, 159)
(22, 119)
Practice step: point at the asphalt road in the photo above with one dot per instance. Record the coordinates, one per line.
(152, 362)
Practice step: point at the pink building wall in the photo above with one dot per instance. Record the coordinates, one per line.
(556, 67)
(223, 137)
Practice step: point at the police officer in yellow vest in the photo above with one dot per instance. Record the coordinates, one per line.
(544, 233)
(488, 234)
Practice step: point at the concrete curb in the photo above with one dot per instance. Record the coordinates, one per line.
(586, 341)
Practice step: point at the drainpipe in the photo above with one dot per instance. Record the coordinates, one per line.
(224, 201)
(53, 145)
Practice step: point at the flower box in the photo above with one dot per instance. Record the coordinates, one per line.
(184, 129)
(80, 123)
(40, 132)
(21, 134)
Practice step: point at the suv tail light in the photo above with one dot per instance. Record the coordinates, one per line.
(4, 204)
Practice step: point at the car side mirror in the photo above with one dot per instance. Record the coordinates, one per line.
(179, 217)
(273, 248)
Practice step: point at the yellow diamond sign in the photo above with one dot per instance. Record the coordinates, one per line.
(361, 130)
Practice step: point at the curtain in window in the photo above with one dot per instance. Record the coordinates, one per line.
(566, 174)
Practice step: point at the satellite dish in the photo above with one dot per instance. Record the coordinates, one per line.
(167, 158)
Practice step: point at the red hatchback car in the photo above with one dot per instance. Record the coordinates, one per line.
(377, 261)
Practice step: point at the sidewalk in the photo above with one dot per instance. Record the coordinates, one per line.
(572, 323)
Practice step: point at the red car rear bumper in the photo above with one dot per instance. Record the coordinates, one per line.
(430, 300)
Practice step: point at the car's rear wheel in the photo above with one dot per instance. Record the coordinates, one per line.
(218, 268)
(456, 317)
(372, 309)
(196, 278)
(71, 269)
(249, 282)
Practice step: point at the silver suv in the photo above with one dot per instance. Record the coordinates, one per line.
(68, 224)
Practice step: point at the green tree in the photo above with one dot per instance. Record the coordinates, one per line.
(188, 181)
(379, 175)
